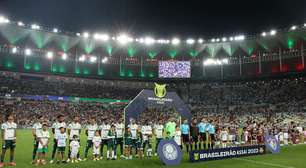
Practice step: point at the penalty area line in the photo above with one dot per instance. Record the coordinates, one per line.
(264, 163)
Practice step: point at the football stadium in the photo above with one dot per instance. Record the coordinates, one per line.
(113, 97)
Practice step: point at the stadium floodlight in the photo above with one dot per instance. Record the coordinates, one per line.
(239, 38)
(293, 27)
(263, 34)
(141, 40)
(304, 24)
(213, 40)
(49, 55)
(4, 19)
(200, 41)
(231, 38)
(215, 62)
(123, 39)
(149, 40)
(224, 39)
(86, 34)
(64, 56)
(82, 58)
(224, 61)
(35, 27)
(103, 37)
(55, 30)
(209, 62)
(273, 32)
(93, 59)
(78, 34)
(175, 41)
(190, 41)
(28, 52)
(104, 60)
(217, 40)
(14, 50)
(20, 24)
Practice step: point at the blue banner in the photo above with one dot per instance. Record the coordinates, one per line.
(226, 153)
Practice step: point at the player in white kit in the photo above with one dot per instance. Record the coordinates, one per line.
(74, 149)
(74, 128)
(56, 131)
(96, 141)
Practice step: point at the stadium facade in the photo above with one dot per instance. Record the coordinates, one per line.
(33, 50)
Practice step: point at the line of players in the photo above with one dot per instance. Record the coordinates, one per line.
(109, 134)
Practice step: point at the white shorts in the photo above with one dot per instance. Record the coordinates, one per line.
(96, 150)
(74, 153)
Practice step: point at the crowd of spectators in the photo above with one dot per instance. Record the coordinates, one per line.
(273, 101)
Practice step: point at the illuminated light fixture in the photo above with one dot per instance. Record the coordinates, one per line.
(224, 39)
(49, 55)
(14, 50)
(55, 30)
(103, 37)
(93, 59)
(213, 40)
(175, 41)
(200, 41)
(239, 38)
(231, 38)
(224, 61)
(104, 60)
(86, 34)
(78, 34)
(217, 40)
(35, 27)
(64, 56)
(141, 40)
(293, 27)
(4, 20)
(20, 24)
(304, 24)
(263, 34)
(28, 52)
(82, 58)
(124, 39)
(190, 41)
(113, 38)
(215, 62)
(149, 40)
(273, 32)
(161, 41)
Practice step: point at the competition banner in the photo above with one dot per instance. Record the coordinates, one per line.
(226, 153)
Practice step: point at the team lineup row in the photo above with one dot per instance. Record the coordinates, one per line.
(133, 140)
(112, 135)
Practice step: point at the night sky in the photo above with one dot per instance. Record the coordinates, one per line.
(159, 18)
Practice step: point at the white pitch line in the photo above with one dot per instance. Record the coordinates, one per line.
(264, 163)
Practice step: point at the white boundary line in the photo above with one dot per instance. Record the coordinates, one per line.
(264, 163)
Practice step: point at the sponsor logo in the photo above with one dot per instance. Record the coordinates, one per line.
(160, 90)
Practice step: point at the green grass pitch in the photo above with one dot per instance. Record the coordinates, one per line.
(290, 157)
